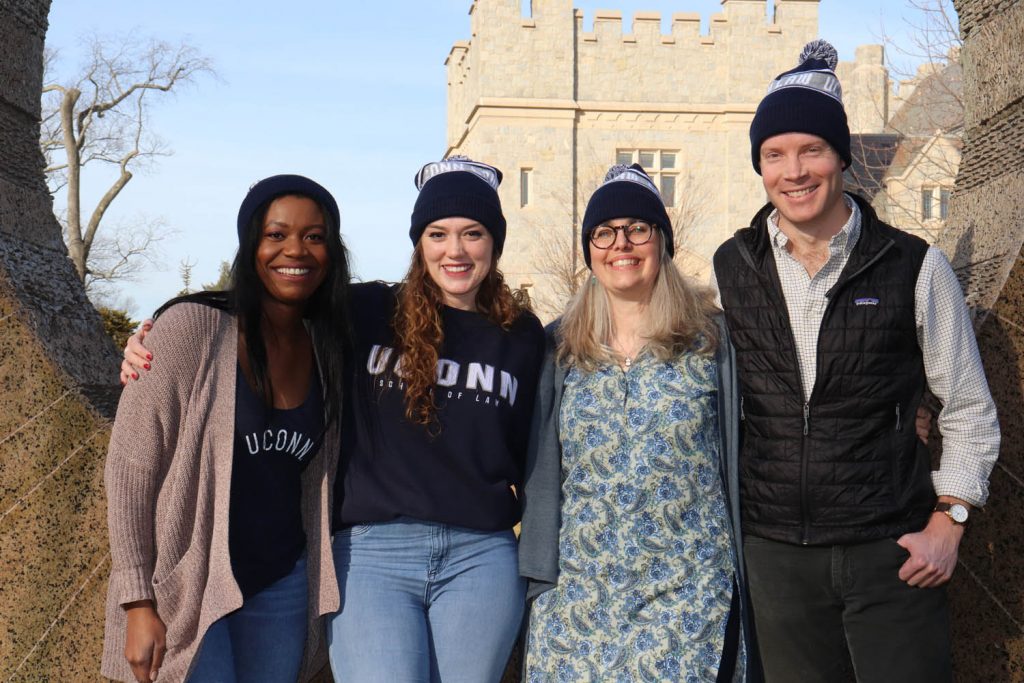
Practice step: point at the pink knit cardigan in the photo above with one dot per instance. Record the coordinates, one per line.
(168, 480)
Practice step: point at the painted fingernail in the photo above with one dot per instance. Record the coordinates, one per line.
(149, 356)
(146, 365)
(135, 375)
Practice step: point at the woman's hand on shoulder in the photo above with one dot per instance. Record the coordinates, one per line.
(136, 356)
(145, 640)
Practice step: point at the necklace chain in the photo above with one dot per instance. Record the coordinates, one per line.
(619, 350)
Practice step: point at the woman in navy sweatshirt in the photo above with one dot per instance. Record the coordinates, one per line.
(444, 372)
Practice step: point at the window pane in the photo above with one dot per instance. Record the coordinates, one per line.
(647, 160)
(668, 189)
(943, 204)
(624, 157)
(668, 160)
(524, 186)
(926, 203)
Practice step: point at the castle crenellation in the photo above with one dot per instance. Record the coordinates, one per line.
(519, 53)
(738, 16)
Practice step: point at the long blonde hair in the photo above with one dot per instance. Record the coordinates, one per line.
(679, 314)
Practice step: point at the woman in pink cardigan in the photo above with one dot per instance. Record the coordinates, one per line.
(221, 459)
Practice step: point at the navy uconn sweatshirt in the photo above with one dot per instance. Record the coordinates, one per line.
(391, 467)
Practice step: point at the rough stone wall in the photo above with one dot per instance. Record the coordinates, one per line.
(57, 385)
(984, 238)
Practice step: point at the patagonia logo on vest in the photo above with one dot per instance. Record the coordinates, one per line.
(865, 301)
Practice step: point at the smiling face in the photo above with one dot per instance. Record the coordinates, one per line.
(626, 270)
(291, 257)
(458, 254)
(803, 177)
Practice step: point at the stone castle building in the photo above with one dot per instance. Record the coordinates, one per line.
(554, 106)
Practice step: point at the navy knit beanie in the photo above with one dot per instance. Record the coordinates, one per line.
(807, 99)
(458, 186)
(627, 192)
(268, 189)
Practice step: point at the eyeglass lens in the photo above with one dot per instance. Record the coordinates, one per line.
(637, 233)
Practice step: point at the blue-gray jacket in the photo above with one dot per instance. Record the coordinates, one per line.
(542, 487)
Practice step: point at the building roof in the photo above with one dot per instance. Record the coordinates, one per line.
(871, 157)
(935, 105)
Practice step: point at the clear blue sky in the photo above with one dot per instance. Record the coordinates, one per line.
(349, 93)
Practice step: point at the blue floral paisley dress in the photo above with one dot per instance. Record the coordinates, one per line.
(645, 554)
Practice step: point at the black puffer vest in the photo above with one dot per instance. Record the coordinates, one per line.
(846, 466)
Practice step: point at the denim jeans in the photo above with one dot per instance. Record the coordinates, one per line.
(263, 641)
(839, 613)
(424, 603)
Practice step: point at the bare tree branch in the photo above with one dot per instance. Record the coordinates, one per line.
(101, 116)
(123, 250)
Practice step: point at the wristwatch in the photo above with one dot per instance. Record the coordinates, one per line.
(955, 511)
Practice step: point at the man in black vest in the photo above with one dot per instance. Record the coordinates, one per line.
(839, 323)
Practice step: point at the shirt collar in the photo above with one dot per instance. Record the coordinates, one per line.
(842, 241)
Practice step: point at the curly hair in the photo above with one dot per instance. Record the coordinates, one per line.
(419, 331)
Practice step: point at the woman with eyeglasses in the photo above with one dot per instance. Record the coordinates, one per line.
(433, 444)
(630, 522)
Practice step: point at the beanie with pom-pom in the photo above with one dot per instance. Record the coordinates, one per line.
(627, 192)
(458, 186)
(807, 99)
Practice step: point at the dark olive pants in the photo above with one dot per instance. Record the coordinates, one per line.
(832, 614)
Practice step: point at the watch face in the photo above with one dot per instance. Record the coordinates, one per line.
(958, 513)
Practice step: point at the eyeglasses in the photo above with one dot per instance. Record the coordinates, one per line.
(603, 236)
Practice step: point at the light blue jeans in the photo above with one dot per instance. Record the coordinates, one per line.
(263, 641)
(424, 603)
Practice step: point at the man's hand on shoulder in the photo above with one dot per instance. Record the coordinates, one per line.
(933, 551)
